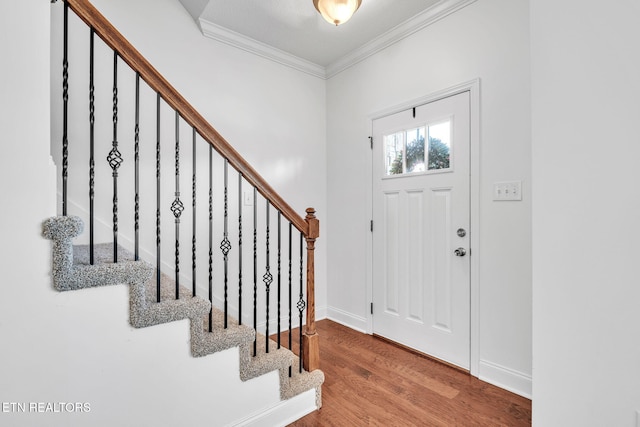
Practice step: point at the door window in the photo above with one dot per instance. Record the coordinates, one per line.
(405, 150)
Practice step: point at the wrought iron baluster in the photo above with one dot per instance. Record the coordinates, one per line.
(177, 207)
(65, 108)
(225, 245)
(211, 237)
(255, 268)
(239, 248)
(158, 261)
(301, 305)
(137, 170)
(92, 161)
(267, 278)
(290, 291)
(279, 275)
(193, 221)
(115, 158)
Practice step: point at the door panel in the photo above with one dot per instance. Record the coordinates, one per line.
(441, 250)
(415, 255)
(421, 186)
(392, 250)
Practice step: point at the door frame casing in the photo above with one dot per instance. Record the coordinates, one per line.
(473, 87)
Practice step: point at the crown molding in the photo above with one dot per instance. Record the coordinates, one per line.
(237, 40)
(399, 32)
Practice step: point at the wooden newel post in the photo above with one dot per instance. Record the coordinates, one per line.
(310, 339)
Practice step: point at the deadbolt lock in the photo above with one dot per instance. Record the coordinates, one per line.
(461, 232)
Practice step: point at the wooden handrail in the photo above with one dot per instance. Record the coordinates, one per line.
(116, 41)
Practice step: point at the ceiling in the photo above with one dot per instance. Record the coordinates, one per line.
(293, 32)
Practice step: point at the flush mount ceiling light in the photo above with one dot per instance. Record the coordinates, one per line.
(337, 11)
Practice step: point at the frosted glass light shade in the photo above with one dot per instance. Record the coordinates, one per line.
(337, 11)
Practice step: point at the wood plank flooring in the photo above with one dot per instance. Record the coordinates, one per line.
(372, 382)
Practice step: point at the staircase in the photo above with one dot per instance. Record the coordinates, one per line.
(157, 294)
(72, 271)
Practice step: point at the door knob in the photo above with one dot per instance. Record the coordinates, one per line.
(460, 252)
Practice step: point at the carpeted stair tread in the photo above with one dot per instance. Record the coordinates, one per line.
(71, 269)
(299, 382)
(263, 361)
(220, 338)
(104, 272)
(147, 311)
(102, 254)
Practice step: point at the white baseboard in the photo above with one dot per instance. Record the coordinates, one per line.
(506, 378)
(347, 319)
(282, 413)
(321, 313)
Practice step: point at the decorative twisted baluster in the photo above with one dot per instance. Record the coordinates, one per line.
(65, 108)
(177, 207)
(267, 278)
(255, 268)
(193, 221)
(115, 158)
(301, 304)
(290, 290)
(211, 237)
(136, 159)
(279, 275)
(239, 248)
(158, 261)
(92, 162)
(225, 245)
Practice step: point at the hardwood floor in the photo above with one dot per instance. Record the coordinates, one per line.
(372, 382)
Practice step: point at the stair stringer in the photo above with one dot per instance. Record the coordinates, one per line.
(71, 271)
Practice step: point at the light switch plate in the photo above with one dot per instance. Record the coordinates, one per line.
(508, 190)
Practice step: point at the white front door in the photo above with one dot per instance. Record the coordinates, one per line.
(421, 216)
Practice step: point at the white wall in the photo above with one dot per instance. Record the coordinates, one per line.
(272, 115)
(24, 120)
(78, 346)
(586, 148)
(488, 40)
